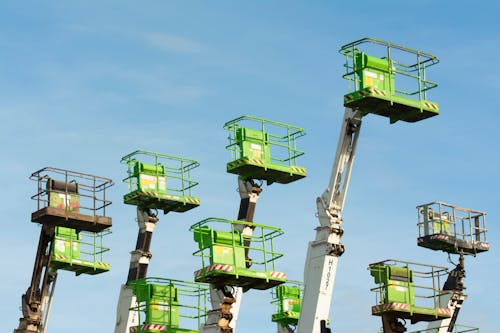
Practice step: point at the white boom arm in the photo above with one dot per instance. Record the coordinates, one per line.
(324, 251)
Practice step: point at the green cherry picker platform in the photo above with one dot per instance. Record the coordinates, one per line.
(159, 181)
(288, 300)
(222, 247)
(264, 149)
(82, 253)
(390, 82)
(409, 290)
(167, 305)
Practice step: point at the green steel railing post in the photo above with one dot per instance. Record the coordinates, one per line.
(271, 240)
(265, 253)
(357, 80)
(419, 83)
(184, 181)
(157, 174)
(434, 299)
(289, 146)
(389, 63)
(234, 250)
(189, 181)
(425, 81)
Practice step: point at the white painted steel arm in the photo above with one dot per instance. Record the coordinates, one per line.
(323, 252)
(334, 195)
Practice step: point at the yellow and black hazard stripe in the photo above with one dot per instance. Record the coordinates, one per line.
(431, 105)
(102, 264)
(244, 160)
(348, 98)
(372, 91)
(182, 199)
(59, 257)
(298, 169)
(192, 200)
(363, 93)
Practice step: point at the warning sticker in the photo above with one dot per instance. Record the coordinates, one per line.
(223, 250)
(370, 74)
(59, 245)
(256, 150)
(150, 182)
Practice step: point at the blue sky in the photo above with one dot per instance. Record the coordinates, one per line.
(83, 83)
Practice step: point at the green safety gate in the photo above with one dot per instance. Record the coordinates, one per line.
(389, 80)
(160, 181)
(264, 149)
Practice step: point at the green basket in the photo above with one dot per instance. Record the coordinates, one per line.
(160, 181)
(264, 150)
(393, 83)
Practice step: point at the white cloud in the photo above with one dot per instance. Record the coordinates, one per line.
(174, 43)
(162, 40)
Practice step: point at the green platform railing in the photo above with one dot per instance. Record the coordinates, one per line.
(264, 149)
(168, 305)
(222, 247)
(410, 290)
(160, 181)
(389, 79)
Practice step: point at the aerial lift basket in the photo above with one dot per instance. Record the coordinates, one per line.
(166, 305)
(409, 290)
(388, 80)
(159, 181)
(71, 199)
(288, 300)
(265, 150)
(451, 229)
(80, 252)
(222, 248)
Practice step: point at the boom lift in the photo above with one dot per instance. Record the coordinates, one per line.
(260, 150)
(455, 230)
(373, 79)
(71, 208)
(155, 181)
(402, 291)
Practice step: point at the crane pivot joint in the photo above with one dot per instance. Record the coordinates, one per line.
(337, 250)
